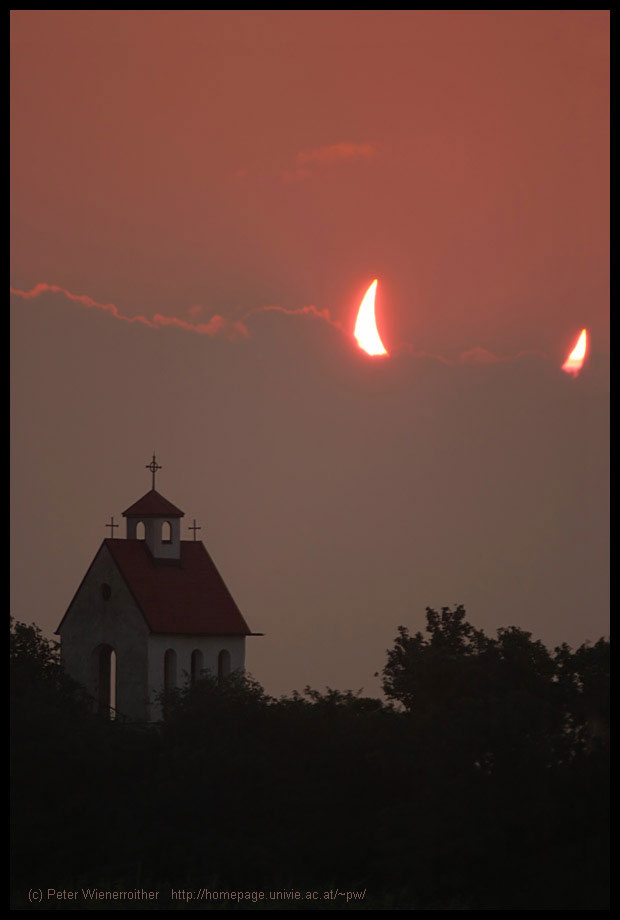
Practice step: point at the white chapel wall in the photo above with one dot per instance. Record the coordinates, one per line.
(94, 621)
(210, 646)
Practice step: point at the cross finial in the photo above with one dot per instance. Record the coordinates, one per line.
(194, 528)
(111, 525)
(153, 466)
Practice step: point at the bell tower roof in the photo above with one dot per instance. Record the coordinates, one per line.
(153, 505)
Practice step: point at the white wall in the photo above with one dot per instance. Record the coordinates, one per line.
(117, 622)
(210, 646)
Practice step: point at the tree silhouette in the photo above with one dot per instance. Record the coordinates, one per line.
(482, 783)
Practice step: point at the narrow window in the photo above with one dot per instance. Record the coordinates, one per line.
(113, 685)
(140, 531)
(223, 664)
(105, 687)
(166, 532)
(170, 670)
(196, 668)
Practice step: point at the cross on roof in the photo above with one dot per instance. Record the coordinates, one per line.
(111, 525)
(194, 528)
(153, 466)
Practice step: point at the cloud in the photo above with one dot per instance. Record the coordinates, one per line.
(299, 311)
(483, 356)
(308, 161)
(336, 153)
(239, 329)
(217, 325)
(479, 356)
(473, 356)
(405, 348)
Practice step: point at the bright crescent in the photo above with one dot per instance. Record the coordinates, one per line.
(574, 362)
(366, 325)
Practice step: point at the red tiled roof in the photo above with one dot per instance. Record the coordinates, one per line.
(186, 596)
(153, 505)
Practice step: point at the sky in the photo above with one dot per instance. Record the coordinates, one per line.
(199, 201)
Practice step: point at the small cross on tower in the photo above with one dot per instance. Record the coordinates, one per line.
(153, 466)
(111, 525)
(194, 528)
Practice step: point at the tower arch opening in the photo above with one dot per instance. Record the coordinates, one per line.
(104, 662)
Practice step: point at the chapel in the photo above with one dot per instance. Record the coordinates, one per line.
(151, 612)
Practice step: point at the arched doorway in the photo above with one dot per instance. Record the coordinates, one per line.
(105, 680)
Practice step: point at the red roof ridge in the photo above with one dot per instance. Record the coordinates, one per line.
(189, 598)
(153, 505)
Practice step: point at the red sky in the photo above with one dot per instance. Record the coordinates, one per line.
(187, 165)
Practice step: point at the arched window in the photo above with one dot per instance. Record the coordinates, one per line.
(105, 680)
(223, 664)
(170, 670)
(197, 665)
(140, 531)
(113, 685)
(166, 532)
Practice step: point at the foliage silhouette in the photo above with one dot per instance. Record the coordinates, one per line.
(481, 783)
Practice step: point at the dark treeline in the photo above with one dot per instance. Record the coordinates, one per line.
(481, 783)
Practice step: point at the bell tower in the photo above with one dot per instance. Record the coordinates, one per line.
(160, 518)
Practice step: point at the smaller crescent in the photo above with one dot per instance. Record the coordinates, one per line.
(574, 362)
